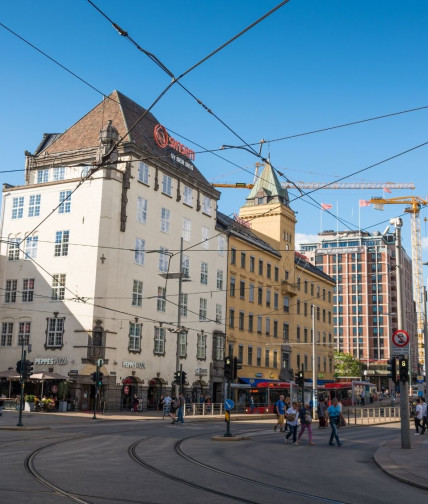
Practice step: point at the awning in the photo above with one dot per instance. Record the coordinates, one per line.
(88, 369)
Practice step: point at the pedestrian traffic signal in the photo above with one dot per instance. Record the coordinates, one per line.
(28, 368)
(228, 368)
(300, 378)
(236, 366)
(404, 369)
(177, 377)
(18, 367)
(392, 367)
(99, 379)
(183, 377)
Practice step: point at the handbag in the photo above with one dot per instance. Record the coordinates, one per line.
(308, 418)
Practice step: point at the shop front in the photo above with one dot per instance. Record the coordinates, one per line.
(157, 388)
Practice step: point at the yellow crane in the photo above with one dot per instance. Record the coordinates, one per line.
(415, 204)
(328, 185)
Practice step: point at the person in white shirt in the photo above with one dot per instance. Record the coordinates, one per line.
(424, 415)
(419, 417)
(292, 416)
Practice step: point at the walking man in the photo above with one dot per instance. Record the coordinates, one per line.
(181, 403)
(334, 413)
(292, 415)
(280, 411)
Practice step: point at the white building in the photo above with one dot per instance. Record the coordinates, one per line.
(90, 260)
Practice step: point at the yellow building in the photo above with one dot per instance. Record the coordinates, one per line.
(273, 291)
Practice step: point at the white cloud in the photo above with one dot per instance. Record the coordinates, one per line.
(305, 238)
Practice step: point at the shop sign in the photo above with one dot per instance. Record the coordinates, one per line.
(134, 365)
(163, 139)
(259, 375)
(51, 360)
(201, 371)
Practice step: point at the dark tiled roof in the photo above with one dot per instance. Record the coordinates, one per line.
(125, 115)
(48, 138)
(304, 264)
(233, 227)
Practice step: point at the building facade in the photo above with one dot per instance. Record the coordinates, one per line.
(365, 300)
(112, 252)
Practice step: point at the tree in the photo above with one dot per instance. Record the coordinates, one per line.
(346, 366)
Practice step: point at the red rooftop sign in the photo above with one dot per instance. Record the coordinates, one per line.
(163, 139)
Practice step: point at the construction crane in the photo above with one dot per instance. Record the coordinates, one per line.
(415, 204)
(387, 186)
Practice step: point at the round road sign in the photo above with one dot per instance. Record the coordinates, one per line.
(400, 338)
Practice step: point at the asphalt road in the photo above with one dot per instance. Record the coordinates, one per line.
(152, 462)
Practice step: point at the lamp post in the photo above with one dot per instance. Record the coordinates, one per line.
(425, 336)
(314, 374)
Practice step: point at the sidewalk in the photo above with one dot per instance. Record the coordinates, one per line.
(408, 466)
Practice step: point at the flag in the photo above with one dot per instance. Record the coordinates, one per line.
(386, 189)
(326, 206)
(364, 203)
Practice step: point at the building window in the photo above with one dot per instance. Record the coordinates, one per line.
(260, 295)
(251, 293)
(250, 322)
(141, 210)
(201, 350)
(243, 259)
(18, 207)
(182, 344)
(275, 300)
(165, 214)
(267, 358)
(232, 287)
(58, 287)
(24, 333)
(31, 243)
(286, 304)
(55, 332)
(137, 293)
(241, 320)
(27, 290)
(259, 324)
(13, 250)
(161, 300)
(220, 279)
(62, 239)
(232, 256)
(298, 333)
(163, 259)
(221, 243)
(275, 328)
(139, 251)
(252, 263)
(6, 334)
(204, 273)
(187, 227)
(250, 356)
(11, 288)
(268, 294)
(188, 195)
(185, 266)
(206, 205)
(143, 173)
(298, 307)
(285, 331)
(267, 326)
(218, 313)
(260, 267)
(242, 289)
(305, 333)
(205, 237)
(241, 353)
(305, 309)
(65, 202)
(34, 205)
(231, 318)
(134, 337)
(259, 356)
(59, 173)
(42, 176)
(166, 185)
(203, 309)
(183, 304)
(306, 287)
(218, 349)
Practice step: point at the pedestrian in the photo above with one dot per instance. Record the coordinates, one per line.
(419, 417)
(280, 412)
(305, 423)
(135, 404)
(251, 401)
(334, 414)
(287, 406)
(363, 398)
(292, 415)
(166, 406)
(181, 403)
(173, 408)
(160, 403)
(424, 415)
(321, 408)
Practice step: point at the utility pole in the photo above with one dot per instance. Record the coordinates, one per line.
(314, 373)
(180, 279)
(425, 342)
(21, 381)
(404, 390)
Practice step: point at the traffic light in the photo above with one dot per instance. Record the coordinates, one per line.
(28, 369)
(300, 378)
(392, 367)
(94, 376)
(18, 367)
(177, 377)
(404, 369)
(99, 379)
(236, 366)
(228, 368)
(183, 377)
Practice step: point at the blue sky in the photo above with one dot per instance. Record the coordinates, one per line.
(309, 66)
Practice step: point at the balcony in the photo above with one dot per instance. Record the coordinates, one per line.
(288, 288)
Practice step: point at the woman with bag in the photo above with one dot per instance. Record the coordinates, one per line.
(305, 423)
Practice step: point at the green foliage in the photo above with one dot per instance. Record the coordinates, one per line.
(30, 398)
(345, 365)
(63, 390)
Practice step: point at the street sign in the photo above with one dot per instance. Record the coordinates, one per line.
(229, 404)
(100, 362)
(400, 343)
